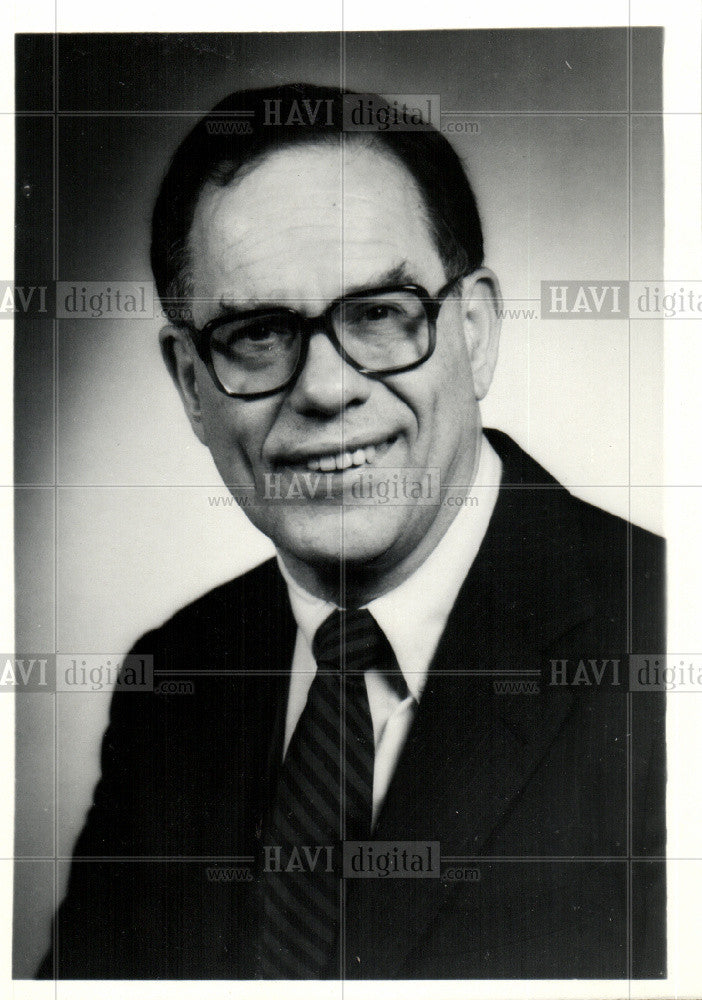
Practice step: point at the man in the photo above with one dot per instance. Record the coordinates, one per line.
(334, 326)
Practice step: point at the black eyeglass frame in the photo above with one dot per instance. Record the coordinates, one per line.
(308, 325)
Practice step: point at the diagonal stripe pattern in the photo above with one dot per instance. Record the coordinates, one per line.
(324, 796)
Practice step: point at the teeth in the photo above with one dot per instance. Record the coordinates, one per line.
(343, 460)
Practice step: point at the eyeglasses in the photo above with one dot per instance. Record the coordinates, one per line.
(378, 331)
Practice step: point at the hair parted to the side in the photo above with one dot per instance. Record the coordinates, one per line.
(217, 153)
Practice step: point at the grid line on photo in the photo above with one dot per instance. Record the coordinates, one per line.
(631, 735)
(531, 487)
(342, 948)
(55, 323)
(458, 858)
(444, 114)
(629, 557)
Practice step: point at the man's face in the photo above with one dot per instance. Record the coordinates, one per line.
(303, 227)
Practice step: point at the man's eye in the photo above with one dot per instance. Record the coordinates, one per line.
(373, 313)
(258, 334)
(376, 313)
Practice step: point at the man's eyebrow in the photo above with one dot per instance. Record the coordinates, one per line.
(232, 307)
(397, 275)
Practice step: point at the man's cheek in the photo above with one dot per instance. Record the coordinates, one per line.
(232, 453)
(244, 460)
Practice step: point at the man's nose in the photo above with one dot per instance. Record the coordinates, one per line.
(327, 385)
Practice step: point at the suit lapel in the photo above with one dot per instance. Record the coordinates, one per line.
(470, 750)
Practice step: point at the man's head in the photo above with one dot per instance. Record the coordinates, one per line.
(298, 215)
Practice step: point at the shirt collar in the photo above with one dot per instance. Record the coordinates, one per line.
(414, 614)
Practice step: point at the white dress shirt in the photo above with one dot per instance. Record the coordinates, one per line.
(412, 616)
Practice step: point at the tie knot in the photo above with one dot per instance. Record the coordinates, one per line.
(352, 640)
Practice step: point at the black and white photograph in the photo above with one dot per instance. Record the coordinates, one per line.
(350, 531)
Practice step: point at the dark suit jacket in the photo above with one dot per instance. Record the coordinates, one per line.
(556, 798)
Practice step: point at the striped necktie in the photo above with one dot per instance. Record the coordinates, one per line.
(324, 796)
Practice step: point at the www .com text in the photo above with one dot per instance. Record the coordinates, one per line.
(228, 127)
(229, 873)
(249, 500)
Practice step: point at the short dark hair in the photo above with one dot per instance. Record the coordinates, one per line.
(226, 142)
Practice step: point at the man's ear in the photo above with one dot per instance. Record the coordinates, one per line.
(179, 355)
(481, 301)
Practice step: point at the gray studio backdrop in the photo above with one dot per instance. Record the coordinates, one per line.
(115, 523)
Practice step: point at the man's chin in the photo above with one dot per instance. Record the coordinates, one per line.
(354, 536)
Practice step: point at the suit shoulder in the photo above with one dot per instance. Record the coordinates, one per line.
(213, 621)
(227, 596)
(607, 535)
(567, 523)
(626, 567)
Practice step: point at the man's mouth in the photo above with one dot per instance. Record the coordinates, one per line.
(339, 461)
(342, 460)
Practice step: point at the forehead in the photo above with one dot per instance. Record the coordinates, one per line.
(309, 223)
